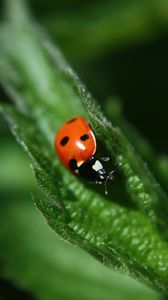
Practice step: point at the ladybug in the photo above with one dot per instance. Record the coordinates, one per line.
(76, 146)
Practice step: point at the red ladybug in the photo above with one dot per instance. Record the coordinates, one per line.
(75, 144)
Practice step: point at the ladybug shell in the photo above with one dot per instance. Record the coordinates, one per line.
(75, 140)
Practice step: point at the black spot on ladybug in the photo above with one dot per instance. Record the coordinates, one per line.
(84, 137)
(64, 141)
(73, 164)
(71, 121)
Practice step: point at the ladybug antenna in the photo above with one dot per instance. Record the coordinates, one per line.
(110, 177)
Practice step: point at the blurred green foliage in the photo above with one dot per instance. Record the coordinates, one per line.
(119, 49)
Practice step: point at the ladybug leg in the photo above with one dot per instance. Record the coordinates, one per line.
(104, 159)
(99, 182)
(110, 177)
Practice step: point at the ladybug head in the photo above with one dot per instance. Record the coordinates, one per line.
(92, 170)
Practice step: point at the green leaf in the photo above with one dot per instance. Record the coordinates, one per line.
(36, 260)
(125, 231)
(10, 155)
(38, 250)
